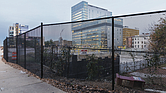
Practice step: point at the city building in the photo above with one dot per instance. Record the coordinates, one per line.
(97, 33)
(128, 32)
(12, 31)
(66, 43)
(61, 42)
(84, 11)
(129, 42)
(17, 29)
(23, 28)
(138, 41)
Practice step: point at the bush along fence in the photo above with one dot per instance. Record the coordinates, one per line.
(50, 50)
(102, 67)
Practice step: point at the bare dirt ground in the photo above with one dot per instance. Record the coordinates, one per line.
(84, 86)
(158, 82)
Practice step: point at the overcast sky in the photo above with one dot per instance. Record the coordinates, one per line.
(33, 12)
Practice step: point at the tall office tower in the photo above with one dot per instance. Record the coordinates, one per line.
(84, 11)
(97, 33)
(17, 29)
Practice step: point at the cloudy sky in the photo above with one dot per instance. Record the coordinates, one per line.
(33, 12)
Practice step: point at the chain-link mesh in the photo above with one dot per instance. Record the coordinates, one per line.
(83, 49)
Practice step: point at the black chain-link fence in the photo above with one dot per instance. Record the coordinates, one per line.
(84, 49)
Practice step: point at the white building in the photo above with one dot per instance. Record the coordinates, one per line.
(12, 31)
(141, 41)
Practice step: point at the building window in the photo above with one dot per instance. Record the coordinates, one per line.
(144, 45)
(135, 46)
(138, 46)
(138, 42)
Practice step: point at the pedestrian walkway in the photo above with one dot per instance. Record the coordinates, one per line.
(16, 81)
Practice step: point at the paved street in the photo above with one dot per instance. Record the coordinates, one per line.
(16, 81)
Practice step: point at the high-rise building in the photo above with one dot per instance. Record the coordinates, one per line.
(11, 31)
(17, 29)
(84, 11)
(97, 33)
(23, 28)
(128, 32)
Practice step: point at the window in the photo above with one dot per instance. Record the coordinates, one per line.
(138, 42)
(138, 46)
(135, 46)
(144, 42)
(144, 45)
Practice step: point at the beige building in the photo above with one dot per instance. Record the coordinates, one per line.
(62, 42)
(128, 32)
(66, 43)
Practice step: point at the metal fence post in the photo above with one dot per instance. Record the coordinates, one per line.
(41, 50)
(17, 49)
(51, 64)
(68, 63)
(3, 48)
(35, 49)
(113, 53)
(6, 49)
(25, 50)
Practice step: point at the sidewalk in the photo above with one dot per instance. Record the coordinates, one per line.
(15, 81)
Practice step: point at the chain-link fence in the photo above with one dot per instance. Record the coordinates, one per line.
(84, 49)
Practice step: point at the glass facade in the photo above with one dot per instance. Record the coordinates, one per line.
(96, 33)
(90, 34)
(80, 11)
